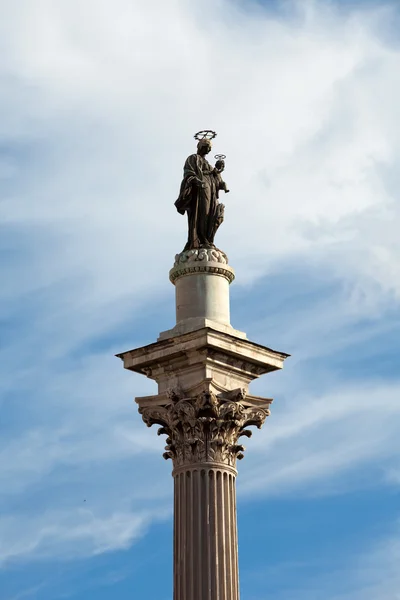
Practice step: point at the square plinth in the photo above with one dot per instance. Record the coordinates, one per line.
(187, 361)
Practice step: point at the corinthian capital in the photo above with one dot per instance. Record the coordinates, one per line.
(204, 428)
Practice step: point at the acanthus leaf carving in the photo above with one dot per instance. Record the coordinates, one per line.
(204, 428)
(155, 416)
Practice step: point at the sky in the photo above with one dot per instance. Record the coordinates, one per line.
(99, 103)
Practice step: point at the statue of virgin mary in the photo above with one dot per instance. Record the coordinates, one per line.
(198, 197)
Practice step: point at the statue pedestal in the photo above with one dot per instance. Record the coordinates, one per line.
(201, 278)
(203, 368)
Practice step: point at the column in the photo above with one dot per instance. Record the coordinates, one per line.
(203, 433)
(205, 534)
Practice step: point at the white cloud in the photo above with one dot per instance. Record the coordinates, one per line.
(312, 443)
(81, 532)
(304, 109)
(100, 101)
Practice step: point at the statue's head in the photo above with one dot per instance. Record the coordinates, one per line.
(204, 146)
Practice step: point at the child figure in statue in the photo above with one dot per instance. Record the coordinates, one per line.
(219, 167)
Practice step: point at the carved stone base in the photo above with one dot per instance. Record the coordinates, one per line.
(188, 257)
(203, 260)
(201, 278)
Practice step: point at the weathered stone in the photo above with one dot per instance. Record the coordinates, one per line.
(201, 279)
(203, 368)
(205, 428)
(187, 257)
(205, 356)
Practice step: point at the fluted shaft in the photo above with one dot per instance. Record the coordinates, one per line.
(205, 533)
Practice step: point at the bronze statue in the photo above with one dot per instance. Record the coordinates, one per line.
(199, 194)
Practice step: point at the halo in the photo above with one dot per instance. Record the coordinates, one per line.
(220, 156)
(206, 134)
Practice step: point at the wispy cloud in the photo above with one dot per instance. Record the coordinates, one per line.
(370, 575)
(80, 532)
(28, 593)
(314, 441)
(99, 106)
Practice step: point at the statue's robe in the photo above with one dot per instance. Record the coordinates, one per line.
(198, 196)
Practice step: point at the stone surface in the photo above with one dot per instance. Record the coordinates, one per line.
(201, 278)
(203, 368)
(204, 429)
(204, 356)
(195, 323)
(202, 267)
(206, 260)
(205, 535)
(204, 408)
(200, 255)
(203, 295)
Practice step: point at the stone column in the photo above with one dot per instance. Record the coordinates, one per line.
(205, 534)
(203, 368)
(203, 443)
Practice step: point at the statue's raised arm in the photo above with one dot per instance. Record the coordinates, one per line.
(198, 195)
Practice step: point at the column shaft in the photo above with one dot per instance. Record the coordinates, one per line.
(205, 535)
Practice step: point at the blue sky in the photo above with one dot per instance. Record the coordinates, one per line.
(99, 102)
